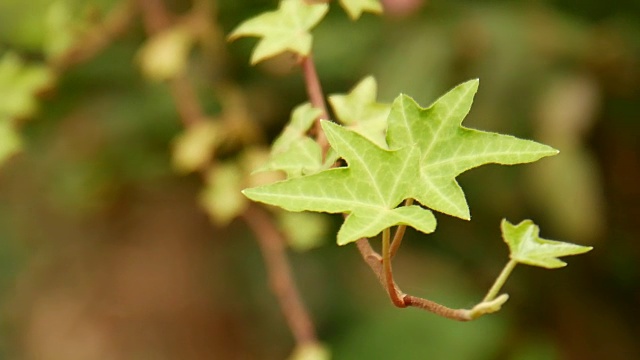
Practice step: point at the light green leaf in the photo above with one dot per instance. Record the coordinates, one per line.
(221, 197)
(369, 189)
(360, 111)
(18, 84)
(286, 29)
(527, 247)
(355, 8)
(9, 140)
(448, 149)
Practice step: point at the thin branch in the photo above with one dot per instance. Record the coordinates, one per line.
(279, 271)
(399, 235)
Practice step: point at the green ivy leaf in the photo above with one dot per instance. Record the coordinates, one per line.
(360, 111)
(355, 8)
(448, 149)
(286, 29)
(527, 247)
(369, 189)
(429, 148)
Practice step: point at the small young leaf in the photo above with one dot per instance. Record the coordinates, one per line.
(448, 149)
(286, 29)
(369, 189)
(355, 8)
(527, 247)
(293, 151)
(360, 111)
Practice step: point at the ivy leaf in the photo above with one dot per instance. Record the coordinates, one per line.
(428, 149)
(527, 247)
(355, 8)
(448, 149)
(360, 111)
(369, 189)
(286, 29)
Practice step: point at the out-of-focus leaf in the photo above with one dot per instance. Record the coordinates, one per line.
(194, 147)
(165, 55)
(221, 197)
(286, 29)
(9, 140)
(18, 84)
(61, 28)
(527, 247)
(304, 230)
(355, 8)
(360, 111)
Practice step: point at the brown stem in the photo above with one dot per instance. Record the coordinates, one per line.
(279, 271)
(316, 97)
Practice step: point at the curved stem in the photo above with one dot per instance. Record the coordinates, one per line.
(388, 272)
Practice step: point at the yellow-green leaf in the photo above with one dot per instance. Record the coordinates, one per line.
(194, 147)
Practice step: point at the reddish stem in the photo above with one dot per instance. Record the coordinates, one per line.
(316, 97)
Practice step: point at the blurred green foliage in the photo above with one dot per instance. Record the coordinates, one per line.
(106, 253)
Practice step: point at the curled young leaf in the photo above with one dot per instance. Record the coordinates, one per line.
(527, 247)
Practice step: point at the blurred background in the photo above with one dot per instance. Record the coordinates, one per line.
(106, 251)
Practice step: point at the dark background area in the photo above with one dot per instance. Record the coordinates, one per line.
(105, 252)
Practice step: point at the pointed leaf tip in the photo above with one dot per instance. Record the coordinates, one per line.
(527, 247)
